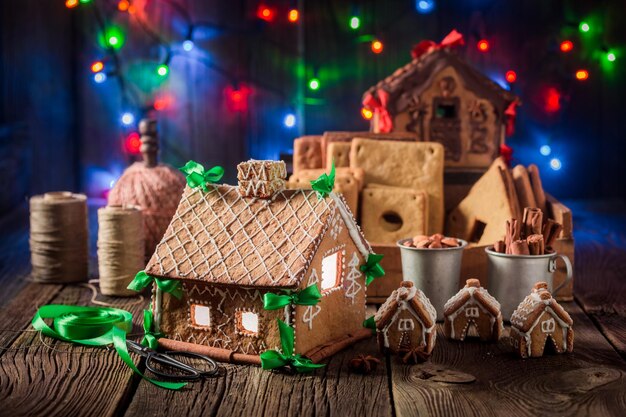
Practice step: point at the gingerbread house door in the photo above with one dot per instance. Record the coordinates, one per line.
(445, 125)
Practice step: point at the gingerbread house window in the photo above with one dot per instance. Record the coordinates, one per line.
(471, 311)
(248, 323)
(406, 325)
(445, 111)
(200, 315)
(547, 326)
(331, 271)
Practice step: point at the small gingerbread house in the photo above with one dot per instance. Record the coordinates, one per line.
(406, 321)
(231, 247)
(473, 312)
(540, 318)
(442, 98)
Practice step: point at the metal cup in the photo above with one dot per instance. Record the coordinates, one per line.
(511, 277)
(435, 271)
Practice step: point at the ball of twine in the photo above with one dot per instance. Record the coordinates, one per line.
(59, 235)
(120, 248)
(157, 190)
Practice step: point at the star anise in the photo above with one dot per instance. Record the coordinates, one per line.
(414, 355)
(363, 364)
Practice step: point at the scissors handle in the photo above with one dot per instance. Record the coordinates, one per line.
(189, 372)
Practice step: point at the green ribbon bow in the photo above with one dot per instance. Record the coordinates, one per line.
(271, 359)
(149, 335)
(370, 323)
(372, 268)
(198, 177)
(142, 280)
(325, 183)
(309, 296)
(93, 326)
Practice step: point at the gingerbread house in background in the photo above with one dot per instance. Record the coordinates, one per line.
(473, 312)
(540, 320)
(406, 321)
(442, 98)
(230, 246)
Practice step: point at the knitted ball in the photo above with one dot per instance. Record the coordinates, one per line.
(157, 191)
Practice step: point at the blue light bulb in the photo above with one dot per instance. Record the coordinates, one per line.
(555, 164)
(290, 120)
(188, 45)
(424, 6)
(545, 150)
(128, 119)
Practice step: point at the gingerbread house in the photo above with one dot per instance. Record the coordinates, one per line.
(540, 318)
(406, 321)
(442, 98)
(232, 247)
(473, 312)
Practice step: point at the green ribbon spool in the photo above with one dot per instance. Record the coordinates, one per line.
(372, 268)
(93, 326)
(142, 280)
(324, 183)
(271, 359)
(309, 296)
(197, 176)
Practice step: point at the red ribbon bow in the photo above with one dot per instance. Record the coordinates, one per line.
(453, 38)
(379, 105)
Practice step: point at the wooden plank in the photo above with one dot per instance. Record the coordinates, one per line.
(589, 381)
(250, 391)
(14, 254)
(42, 376)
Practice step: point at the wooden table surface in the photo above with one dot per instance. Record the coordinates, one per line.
(43, 377)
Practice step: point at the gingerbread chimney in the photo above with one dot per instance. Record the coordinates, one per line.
(261, 179)
(472, 282)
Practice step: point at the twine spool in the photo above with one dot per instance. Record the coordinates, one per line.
(154, 187)
(120, 248)
(59, 236)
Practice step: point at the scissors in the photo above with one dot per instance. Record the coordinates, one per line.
(185, 371)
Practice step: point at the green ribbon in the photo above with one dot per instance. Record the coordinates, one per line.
(370, 323)
(271, 359)
(325, 183)
(142, 280)
(372, 268)
(149, 335)
(309, 296)
(197, 176)
(93, 326)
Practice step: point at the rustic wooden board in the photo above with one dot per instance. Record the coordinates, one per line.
(250, 391)
(59, 379)
(14, 254)
(589, 381)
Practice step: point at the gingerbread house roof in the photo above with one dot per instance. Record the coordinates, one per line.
(472, 290)
(534, 305)
(406, 296)
(417, 75)
(220, 237)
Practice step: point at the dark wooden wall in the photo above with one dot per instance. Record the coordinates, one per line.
(60, 130)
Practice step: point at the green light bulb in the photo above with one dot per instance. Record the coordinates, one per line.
(584, 27)
(355, 22)
(314, 84)
(162, 70)
(610, 57)
(113, 40)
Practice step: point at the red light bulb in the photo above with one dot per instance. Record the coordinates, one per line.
(377, 46)
(582, 75)
(293, 15)
(265, 13)
(566, 46)
(511, 76)
(483, 45)
(132, 144)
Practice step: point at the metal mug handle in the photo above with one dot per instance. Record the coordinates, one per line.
(568, 268)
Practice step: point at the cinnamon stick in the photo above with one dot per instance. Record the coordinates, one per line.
(535, 244)
(532, 221)
(499, 246)
(512, 233)
(551, 230)
(519, 247)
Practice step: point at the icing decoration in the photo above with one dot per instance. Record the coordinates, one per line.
(314, 310)
(198, 177)
(309, 296)
(272, 359)
(324, 183)
(93, 326)
(372, 268)
(352, 280)
(142, 280)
